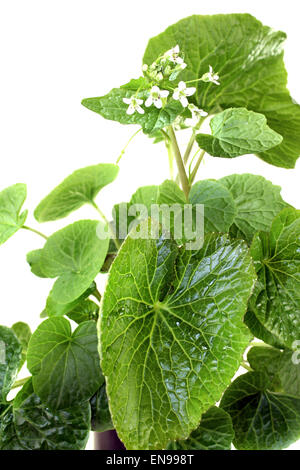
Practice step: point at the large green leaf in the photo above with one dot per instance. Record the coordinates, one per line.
(10, 359)
(279, 365)
(75, 255)
(237, 131)
(219, 206)
(101, 419)
(8, 436)
(171, 333)
(65, 365)
(23, 333)
(276, 298)
(215, 432)
(11, 202)
(79, 188)
(36, 427)
(111, 106)
(257, 201)
(249, 59)
(262, 420)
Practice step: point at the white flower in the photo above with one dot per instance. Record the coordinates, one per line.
(155, 97)
(212, 76)
(134, 105)
(182, 92)
(196, 115)
(173, 55)
(145, 68)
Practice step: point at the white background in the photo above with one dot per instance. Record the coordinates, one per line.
(53, 54)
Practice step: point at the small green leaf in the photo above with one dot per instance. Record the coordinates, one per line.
(10, 359)
(237, 131)
(111, 106)
(75, 255)
(170, 319)
(23, 333)
(56, 309)
(84, 311)
(65, 366)
(80, 188)
(38, 428)
(11, 202)
(215, 432)
(257, 202)
(248, 57)
(219, 206)
(276, 297)
(262, 419)
(33, 258)
(101, 419)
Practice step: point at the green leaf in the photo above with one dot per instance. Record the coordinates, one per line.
(111, 106)
(80, 188)
(65, 365)
(171, 334)
(75, 255)
(84, 311)
(11, 202)
(257, 202)
(33, 258)
(215, 432)
(8, 436)
(259, 331)
(101, 419)
(219, 206)
(279, 365)
(56, 309)
(276, 298)
(262, 420)
(237, 131)
(249, 60)
(10, 359)
(39, 428)
(170, 193)
(23, 333)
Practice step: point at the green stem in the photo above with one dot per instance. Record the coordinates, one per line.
(116, 242)
(97, 295)
(246, 366)
(25, 227)
(124, 149)
(171, 159)
(194, 172)
(189, 147)
(19, 383)
(181, 170)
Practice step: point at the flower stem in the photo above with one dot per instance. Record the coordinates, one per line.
(194, 172)
(116, 242)
(124, 149)
(181, 170)
(25, 227)
(189, 147)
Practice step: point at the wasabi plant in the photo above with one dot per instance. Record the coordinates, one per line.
(195, 270)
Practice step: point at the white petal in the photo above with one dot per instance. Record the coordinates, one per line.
(216, 82)
(139, 101)
(181, 85)
(179, 60)
(158, 104)
(210, 69)
(183, 65)
(155, 89)
(164, 93)
(190, 91)
(184, 101)
(203, 113)
(176, 94)
(148, 101)
(127, 100)
(176, 49)
(130, 109)
(140, 110)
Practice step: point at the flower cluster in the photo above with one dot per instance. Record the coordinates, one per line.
(167, 67)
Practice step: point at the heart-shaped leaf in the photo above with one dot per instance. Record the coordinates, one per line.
(171, 333)
(11, 202)
(257, 202)
(237, 131)
(262, 419)
(215, 432)
(65, 365)
(75, 255)
(80, 188)
(249, 60)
